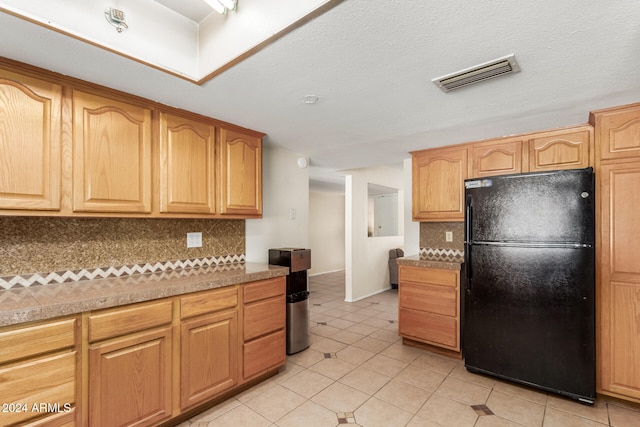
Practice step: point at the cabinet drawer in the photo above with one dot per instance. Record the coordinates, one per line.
(264, 316)
(120, 321)
(263, 289)
(435, 276)
(430, 328)
(263, 354)
(435, 299)
(49, 379)
(36, 339)
(208, 301)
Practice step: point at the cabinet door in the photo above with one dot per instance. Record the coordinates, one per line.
(209, 357)
(496, 158)
(130, 379)
(438, 184)
(111, 155)
(618, 132)
(619, 297)
(565, 149)
(240, 174)
(30, 117)
(187, 166)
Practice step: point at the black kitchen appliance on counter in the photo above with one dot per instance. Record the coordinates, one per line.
(299, 261)
(530, 280)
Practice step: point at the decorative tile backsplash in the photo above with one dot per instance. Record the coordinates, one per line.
(433, 241)
(41, 250)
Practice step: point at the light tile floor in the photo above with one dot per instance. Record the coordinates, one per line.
(357, 372)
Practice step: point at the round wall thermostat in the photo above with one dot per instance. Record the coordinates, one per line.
(302, 162)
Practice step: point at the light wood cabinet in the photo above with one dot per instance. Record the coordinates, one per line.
(619, 293)
(209, 345)
(40, 373)
(130, 354)
(30, 143)
(496, 158)
(187, 165)
(617, 132)
(438, 184)
(240, 173)
(112, 155)
(429, 306)
(70, 148)
(264, 324)
(570, 148)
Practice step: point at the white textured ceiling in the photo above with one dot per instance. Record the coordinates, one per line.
(371, 63)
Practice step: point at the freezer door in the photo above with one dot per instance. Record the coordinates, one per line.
(530, 316)
(554, 207)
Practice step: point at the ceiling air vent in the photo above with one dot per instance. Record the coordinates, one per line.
(488, 70)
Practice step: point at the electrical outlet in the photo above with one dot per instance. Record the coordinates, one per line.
(292, 213)
(448, 236)
(194, 240)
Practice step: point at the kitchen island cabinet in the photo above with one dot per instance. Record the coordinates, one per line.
(429, 307)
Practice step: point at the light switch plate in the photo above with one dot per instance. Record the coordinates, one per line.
(448, 236)
(194, 240)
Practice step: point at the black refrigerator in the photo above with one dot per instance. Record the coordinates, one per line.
(530, 280)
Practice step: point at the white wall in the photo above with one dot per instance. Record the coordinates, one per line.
(366, 259)
(411, 229)
(326, 232)
(285, 187)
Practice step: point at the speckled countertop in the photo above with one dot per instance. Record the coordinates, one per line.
(433, 261)
(49, 301)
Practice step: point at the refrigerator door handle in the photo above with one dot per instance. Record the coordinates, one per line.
(468, 269)
(468, 218)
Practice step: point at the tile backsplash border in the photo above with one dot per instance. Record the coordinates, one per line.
(48, 250)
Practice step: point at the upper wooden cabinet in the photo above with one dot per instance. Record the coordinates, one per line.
(112, 155)
(69, 148)
(570, 148)
(438, 184)
(240, 173)
(617, 132)
(187, 165)
(30, 120)
(496, 158)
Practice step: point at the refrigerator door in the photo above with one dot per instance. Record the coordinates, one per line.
(530, 324)
(550, 207)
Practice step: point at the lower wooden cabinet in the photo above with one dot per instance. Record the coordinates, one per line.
(39, 373)
(142, 364)
(208, 345)
(130, 379)
(264, 323)
(429, 306)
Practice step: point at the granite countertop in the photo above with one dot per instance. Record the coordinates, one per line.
(48, 301)
(433, 261)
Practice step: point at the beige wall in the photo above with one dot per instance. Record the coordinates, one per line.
(41, 244)
(326, 232)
